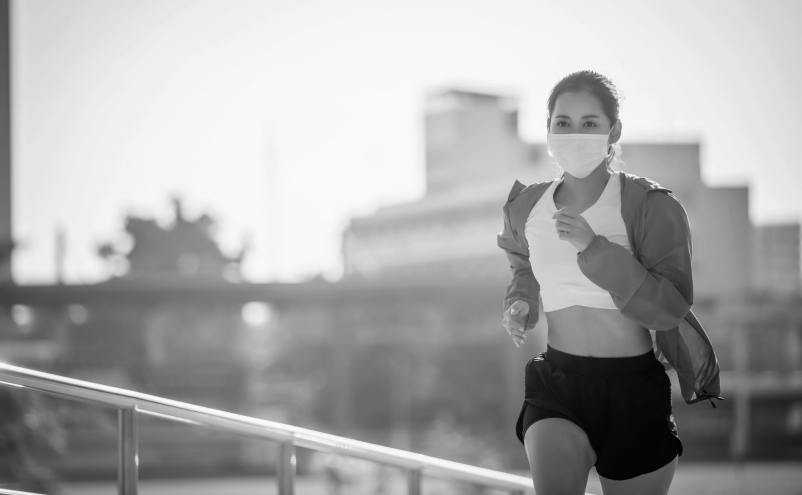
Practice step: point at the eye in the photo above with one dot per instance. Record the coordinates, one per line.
(561, 123)
(591, 124)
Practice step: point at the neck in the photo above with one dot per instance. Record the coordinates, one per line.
(587, 187)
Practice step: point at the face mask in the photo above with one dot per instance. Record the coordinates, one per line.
(578, 154)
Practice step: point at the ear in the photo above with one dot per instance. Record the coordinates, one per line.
(615, 132)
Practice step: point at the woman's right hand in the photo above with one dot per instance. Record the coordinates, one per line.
(515, 319)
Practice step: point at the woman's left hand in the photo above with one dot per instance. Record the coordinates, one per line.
(573, 228)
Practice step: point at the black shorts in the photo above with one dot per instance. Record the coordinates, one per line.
(622, 403)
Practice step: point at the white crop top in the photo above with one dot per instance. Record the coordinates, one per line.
(553, 260)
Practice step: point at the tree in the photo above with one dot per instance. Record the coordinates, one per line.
(187, 248)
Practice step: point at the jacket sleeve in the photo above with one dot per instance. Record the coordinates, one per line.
(657, 290)
(523, 286)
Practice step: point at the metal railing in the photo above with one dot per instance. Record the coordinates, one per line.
(131, 404)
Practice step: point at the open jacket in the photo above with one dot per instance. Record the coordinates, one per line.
(653, 286)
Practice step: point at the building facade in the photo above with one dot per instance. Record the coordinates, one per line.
(778, 258)
(473, 156)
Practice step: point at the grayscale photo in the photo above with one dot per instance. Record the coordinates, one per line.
(441, 247)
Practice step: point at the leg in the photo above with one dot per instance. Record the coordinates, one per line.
(560, 456)
(654, 483)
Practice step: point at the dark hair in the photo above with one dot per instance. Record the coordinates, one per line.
(600, 87)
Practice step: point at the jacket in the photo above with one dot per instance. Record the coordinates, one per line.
(653, 286)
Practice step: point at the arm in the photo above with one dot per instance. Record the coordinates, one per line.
(523, 286)
(657, 290)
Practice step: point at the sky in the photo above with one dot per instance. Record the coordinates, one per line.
(284, 119)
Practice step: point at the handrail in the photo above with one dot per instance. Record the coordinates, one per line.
(130, 403)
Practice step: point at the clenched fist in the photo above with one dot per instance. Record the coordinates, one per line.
(573, 228)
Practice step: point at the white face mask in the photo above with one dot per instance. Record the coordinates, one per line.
(578, 154)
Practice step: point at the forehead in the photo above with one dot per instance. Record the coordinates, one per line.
(577, 103)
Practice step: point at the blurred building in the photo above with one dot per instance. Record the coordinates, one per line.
(412, 335)
(778, 267)
(474, 154)
(719, 217)
(746, 278)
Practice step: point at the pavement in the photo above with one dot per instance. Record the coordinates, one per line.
(690, 479)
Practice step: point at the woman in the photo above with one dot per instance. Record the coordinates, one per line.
(609, 255)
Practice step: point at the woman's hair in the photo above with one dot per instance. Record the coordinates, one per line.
(600, 87)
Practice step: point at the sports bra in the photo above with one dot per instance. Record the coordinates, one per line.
(553, 260)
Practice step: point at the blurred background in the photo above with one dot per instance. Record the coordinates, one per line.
(288, 210)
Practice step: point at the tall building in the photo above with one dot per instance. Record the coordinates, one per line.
(473, 156)
(778, 267)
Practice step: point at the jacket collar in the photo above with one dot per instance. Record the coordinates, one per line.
(634, 188)
(536, 189)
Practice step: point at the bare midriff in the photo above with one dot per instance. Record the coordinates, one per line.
(596, 332)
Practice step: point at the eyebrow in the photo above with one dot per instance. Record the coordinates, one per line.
(584, 117)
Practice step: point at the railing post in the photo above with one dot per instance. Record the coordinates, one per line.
(127, 403)
(286, 468)
(739, 438)
(414, 482)
(128, 456)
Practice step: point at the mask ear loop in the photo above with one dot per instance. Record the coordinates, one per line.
(610, 152)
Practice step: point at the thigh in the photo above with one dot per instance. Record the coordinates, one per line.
(560, 456)
(641, 435)
(654, 483)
